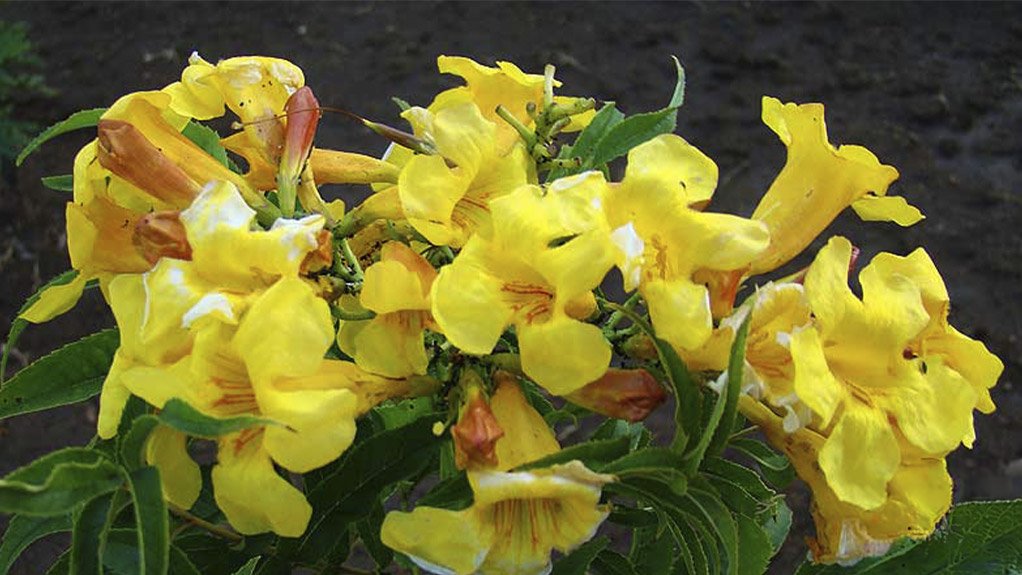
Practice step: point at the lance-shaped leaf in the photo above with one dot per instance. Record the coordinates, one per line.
(577, 562)
(151, 521)
(71, 374)
(88, 536)
(76, 121)
(183, 417)
(55, 483)
(23, 530)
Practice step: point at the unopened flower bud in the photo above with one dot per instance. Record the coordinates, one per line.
(629, 394)
(639, 346)
(476, 433)
(303, 116)
(161, 234)
(126, 152)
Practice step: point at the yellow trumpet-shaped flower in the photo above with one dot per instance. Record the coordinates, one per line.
(235, 330)
(664, 245)
(517, 518)
(141, 162)
(918, 495)
(447, 196)
(397, 289)
(525, 275)
(504, 85)
(817, 182)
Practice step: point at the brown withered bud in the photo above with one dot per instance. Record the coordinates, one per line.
(322, 256)
(476, 433)
(127, 153)
(629, 394)
(161, 234)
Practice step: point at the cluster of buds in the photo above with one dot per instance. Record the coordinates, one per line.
(469, 278)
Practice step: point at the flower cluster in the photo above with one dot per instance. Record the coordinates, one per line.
(475, 274)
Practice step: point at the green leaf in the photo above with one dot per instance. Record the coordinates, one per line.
(369, 533)
(368, 469)
(577, 562)
(609, 562)
(687, 395)
(400, 413)
(19, 324)
(453, 493)
(733, 387)
(721, 522)
(979, 537)
(742, 488)
(121, 556)
(23, 530)
(151, 521)
(248, 568)
(181, 564)
(592, 453)
(61, 566)
(653, 551)
(134, 442)
(608, 117)
(657, 464)
(640, 128)
(207, 139)
(87, 536)
(55, 483)
(774, 467)
(631, 517)
(59, 183)
(71, 374)
(183, 417)
(776, 521)
(754, 548)
(76, 121)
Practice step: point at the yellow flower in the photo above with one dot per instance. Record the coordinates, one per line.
(237, 331)
(446, 196)
(141, 162)
(505, 85)
(664, 245)
(514, 277)
(397, 289)
(918, 495)
(517, 518)
(817, 182)
(256, 89)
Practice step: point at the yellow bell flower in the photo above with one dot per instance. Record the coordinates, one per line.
(817, 182)
(517, 518)
(446, 196)
(918, 495)
(663, 244)
(515, 277)
(397, 289)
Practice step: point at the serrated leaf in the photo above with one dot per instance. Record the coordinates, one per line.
(776, 521)
(151, 521)
(608, 117)
(733, 387)
(57, 482)
(754, 548)
(742, 488)
(577, 562)
(649, 458)
(609, 562)
(640, 128)
(87, 536)
(631, 517)
(23, 530)
(59, 183)
(207, 139)
(592, 453)
(979, 537)
(76, 121)
(71, 374)
(367, 469)
(369, 533)
(653, 551)
(61, 566)
(721, 522)
(774, 467)
(183, 417)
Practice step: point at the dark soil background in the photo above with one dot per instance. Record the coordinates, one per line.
(933, 89)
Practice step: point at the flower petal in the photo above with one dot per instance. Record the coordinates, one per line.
(563, 354)
(180, 477)
(861, 456)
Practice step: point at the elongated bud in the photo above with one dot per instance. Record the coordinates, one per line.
(476, 433)
(303, 114)
(629, 394)
(401, 138)
(161, 234)
(126, 152)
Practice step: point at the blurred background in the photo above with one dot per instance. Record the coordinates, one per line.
(934, 89)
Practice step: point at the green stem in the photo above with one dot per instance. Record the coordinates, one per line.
(199, 522)
(618, 315)
(352, 259)
(525, 133)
